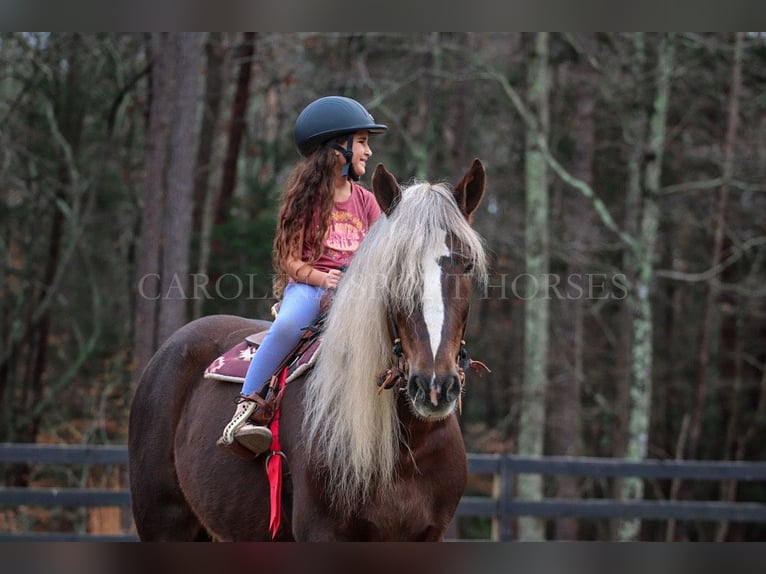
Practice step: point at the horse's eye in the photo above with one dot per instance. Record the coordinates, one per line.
(469, 267)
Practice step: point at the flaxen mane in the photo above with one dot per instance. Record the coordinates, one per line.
(352, 430)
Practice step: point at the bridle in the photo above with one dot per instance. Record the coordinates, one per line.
(398, 374)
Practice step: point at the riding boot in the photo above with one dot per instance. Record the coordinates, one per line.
(242, 430)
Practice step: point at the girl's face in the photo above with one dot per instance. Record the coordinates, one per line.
(362, 152)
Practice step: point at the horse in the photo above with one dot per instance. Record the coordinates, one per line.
(370, 434)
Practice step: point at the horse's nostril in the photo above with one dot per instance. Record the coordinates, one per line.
(444, 388)
(453, 387)
(417, 388)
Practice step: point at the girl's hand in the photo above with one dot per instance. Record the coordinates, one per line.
(331, 279)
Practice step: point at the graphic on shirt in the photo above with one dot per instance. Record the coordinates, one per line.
(344, 235)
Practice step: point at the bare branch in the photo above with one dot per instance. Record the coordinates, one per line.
(489, 73)
(711, 184)
(715, 270)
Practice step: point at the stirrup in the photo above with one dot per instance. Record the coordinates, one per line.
(256, 439)
(241, 436)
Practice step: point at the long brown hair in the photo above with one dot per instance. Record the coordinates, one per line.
(304, 213)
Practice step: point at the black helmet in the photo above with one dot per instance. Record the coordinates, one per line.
(329, 117)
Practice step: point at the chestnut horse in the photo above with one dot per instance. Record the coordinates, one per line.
(363, 461)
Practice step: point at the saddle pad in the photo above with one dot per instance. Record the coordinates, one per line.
(233, 364)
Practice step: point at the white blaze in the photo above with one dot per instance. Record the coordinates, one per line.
(433, 300)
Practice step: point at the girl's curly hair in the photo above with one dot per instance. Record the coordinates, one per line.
(304, 213)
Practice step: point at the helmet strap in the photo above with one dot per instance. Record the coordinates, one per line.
(348, 153)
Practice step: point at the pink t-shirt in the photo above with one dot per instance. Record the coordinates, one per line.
(348, 225)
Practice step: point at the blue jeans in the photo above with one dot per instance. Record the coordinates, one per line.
(298, 310)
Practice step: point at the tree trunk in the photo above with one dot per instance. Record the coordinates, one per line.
(565, 412)
(210, 117)
(237, 123)
(204, 195)
(460, 115)
(532, 426)
(703, 354)
(642, 355)
(429, 111)
(152, 205)
(635, 134)
(731, 336)
(180, 184)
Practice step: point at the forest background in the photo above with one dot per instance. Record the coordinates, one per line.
(624, 317)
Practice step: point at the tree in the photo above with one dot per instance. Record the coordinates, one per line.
(51, 226)
(236, 126)
(153, 203)
(163, 254)
(176, 240)
(567, 381)
(207, 161)
(717, 255)
(532, 425)
(642, 331)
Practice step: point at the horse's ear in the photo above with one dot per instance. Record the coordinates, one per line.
(386, 189)
(469, 191)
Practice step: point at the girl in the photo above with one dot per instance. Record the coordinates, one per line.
(323, 217)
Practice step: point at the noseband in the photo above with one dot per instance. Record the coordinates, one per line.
(398, 374)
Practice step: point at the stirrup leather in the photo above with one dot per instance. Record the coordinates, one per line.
(237, 421)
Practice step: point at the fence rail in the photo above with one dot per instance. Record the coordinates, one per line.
(501, 507)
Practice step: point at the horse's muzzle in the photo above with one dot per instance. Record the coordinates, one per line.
(434, 397)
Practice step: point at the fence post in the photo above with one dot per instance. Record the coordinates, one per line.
(502, 493)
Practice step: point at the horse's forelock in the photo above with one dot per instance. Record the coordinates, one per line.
(426, 214)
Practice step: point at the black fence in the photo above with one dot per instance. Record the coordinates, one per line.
(68, 497)
(501, 507)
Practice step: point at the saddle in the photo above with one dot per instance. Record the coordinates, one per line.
(231, 366)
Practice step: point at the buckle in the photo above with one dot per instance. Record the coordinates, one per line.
(274, 453)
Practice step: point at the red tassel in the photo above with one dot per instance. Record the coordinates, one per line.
(274, 466)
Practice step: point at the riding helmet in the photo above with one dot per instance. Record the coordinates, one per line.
(329, 117)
